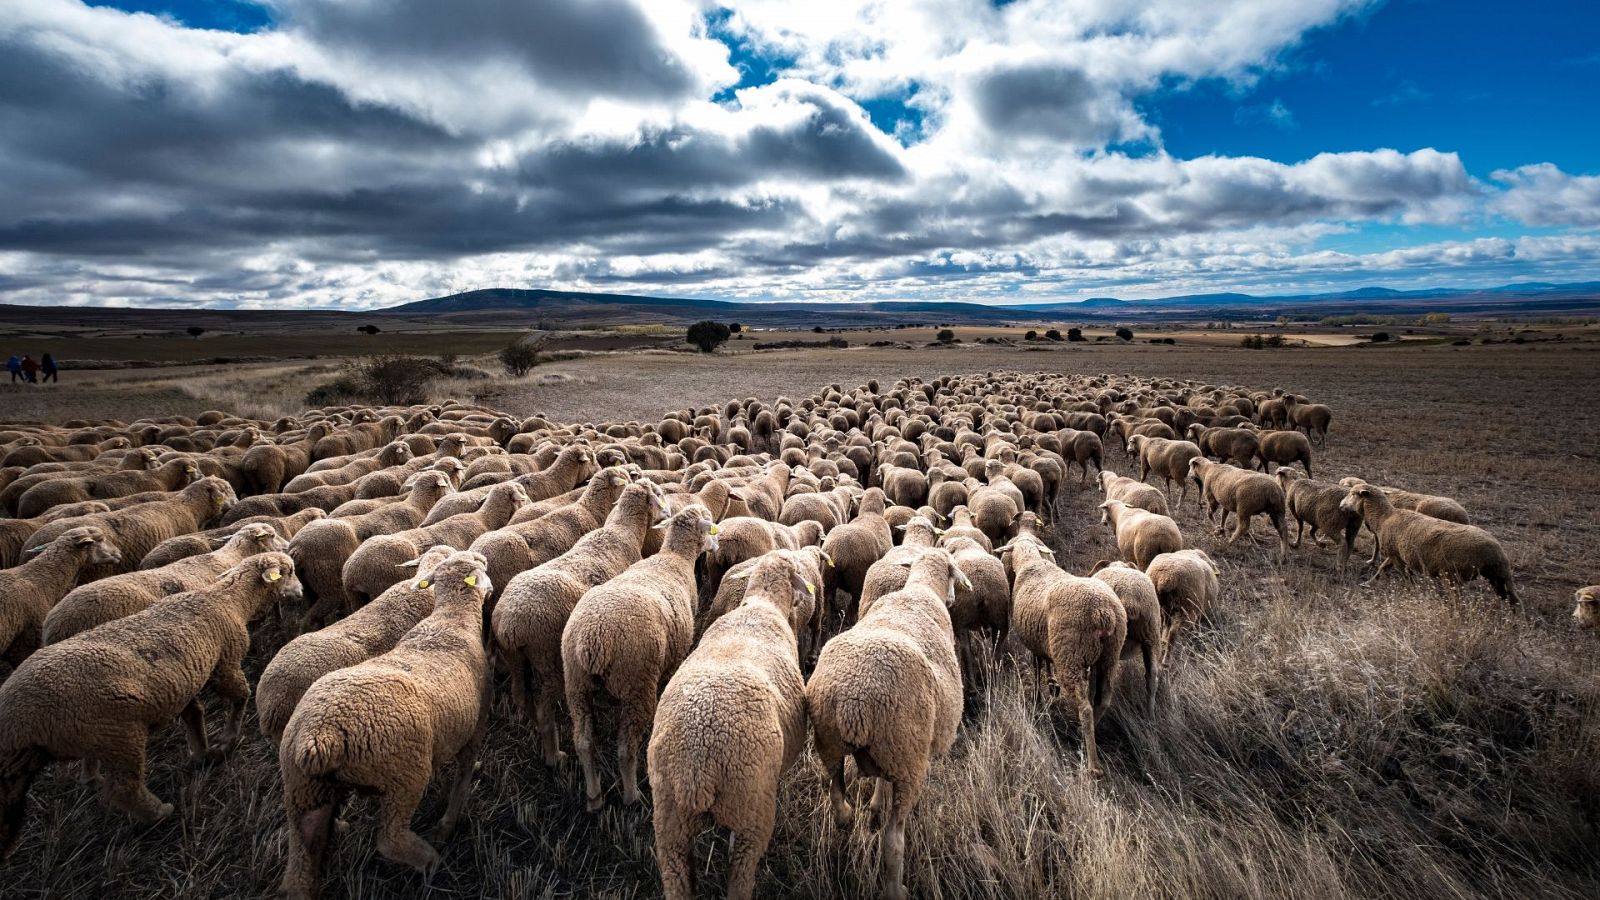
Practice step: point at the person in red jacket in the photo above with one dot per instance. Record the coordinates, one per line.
(30, 369)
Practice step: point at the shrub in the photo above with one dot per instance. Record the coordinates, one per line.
(195, 331)
(1125, 333)
(1171, 341)
(708, 335)
(1074, 335)
(838, 343)
(519, 358)
(1380, 337)
(1031, 336)
(945, 336)
(1054, 334)
(735, 327)
(816, 329)
(396, 379)
(368, 329)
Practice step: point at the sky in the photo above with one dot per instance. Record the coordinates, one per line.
(364, 153)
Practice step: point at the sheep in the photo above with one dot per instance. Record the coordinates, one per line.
(855, 546)
(731, 721)
(993, 510)
(983, 605)
(1167, 458)
(14, 533)
(1133, 493)
(186, 545)
(888, 693)
(97, 697)
(1318, 505)
(573, 465)
(1424, 545)
(1587, 608)
(1187, 587)
(1240, 446)
(807, 613)
(56, 491)
(29, 591)
(321, 550)
(627, 637)
(356, 638)
(1285, 448)
(123, 595)
(137, 530)
(384, 725)
(325, 474)
(746, 537)
(1244, 493)
(534, 606)
(1142, 604)
(1074, 627)
(1141, 535)
(961, 525)
(1314, 418)
(518, 548)
(376, 564)
(888, 574)
(1428, 504)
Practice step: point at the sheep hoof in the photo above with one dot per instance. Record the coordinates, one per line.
(843, 814)
(162, 812)
(597, 803)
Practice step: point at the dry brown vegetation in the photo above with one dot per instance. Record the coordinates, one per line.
(1316, 738)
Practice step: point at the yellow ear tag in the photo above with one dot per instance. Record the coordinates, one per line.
(811, 589)
(715, 529)
(273, 576)
(472, 581)
(422, 583)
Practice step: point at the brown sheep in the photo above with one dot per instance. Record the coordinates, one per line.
(888, 693)
(1239, 446)
(731, 721)
(384, 725)
(376, 563)
(28, 592)
(1423, 545)
(97, 697)
(1314, 418)
(534, 607)
(627, 637)
(1074, 627)
(1243, 493)
(1187, 586)
(1142, 604)
(1587, 608)
(1141, 535)
(1133, 493)
(854, 547)
(1319, 505)
(186, 545)
(137, 530)
(1167, 458)
(1285, 448)
(14, 533)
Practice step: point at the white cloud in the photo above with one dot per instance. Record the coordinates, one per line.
(1544, 195)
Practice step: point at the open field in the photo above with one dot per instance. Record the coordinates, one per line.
(1316, 738)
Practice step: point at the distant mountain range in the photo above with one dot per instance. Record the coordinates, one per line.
(578, 307)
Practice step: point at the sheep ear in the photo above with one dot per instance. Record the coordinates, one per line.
(410, 565)
(272, 575)
(38, 549)
(1100, 565)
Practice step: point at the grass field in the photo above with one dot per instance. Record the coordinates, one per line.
(1317, 738)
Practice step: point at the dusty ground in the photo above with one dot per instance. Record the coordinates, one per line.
(1317, 738)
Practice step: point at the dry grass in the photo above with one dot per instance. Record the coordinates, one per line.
(1316, 738)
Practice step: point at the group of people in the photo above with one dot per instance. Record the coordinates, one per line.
(27, 369)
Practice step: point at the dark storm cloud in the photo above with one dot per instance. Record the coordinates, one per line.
(591, 46)
(1052, 101)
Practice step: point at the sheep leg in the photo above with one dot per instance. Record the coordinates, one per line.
(396, 840)
(311, 807)
(545, 721)
(518, 668)
(1300, 532)
(193, 716)
(229, 682)
(124, 785)
(675, 833)
(882, 798)
(892, 842)
(1241, 526)
(832, 754)
(1152, 674)
(752, 833)
(1222, 526)
(1079, 693)
(582, 715)
(637, 714)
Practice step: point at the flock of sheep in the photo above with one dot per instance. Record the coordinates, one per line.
(733, 581)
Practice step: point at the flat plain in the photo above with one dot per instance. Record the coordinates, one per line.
(1316, 737)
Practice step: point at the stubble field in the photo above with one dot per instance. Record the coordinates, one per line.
(1315, 737)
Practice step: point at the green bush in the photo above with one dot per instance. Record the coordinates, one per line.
(519, 358)
(708, 335)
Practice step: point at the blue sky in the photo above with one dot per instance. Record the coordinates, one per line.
(362, 152)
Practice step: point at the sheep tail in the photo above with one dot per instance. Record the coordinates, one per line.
(317, 747)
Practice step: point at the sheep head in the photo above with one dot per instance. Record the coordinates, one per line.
(276, 571)
(1587, 611)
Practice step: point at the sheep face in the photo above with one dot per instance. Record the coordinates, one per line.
(91, 541)
(1358, 495)
(277, 573)
(265, 538)
(1587, 611)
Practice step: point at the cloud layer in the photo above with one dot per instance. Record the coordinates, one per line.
(369, 152)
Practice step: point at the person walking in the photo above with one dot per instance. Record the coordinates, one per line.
(14, 366)
(49, 368)
(30, 369)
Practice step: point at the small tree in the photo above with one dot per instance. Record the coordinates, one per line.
(1053, 334)
(195, 331)
(945, 336)
(1031, 335)
(369, 329)
(1125, 333)
(396, 379)
(708, 335)
(519, 358)
(1075, 335)
(735, 327)
(1380, 337)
